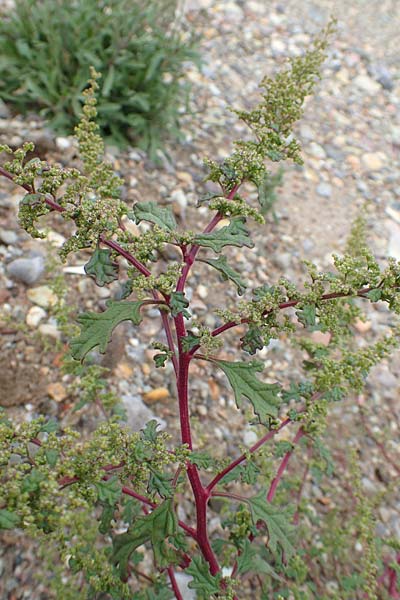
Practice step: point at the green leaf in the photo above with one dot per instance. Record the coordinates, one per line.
(152, 212)
(97, 328)
(374, 295)
(234, 234)
(50, 427)
(8, 519)
(109, 491)
(203, 581)
(106, 517)
(101, 268)
(32, 481)
(282, 447)
(267, 190)
(252, 339)
(307, 315)
(203, 460)
(126, 543)
(278, 522)
(149, 433)
(249, 560)
(178, 304)
(160, 359)
(264, 397)
(190, 341)
(160, 483)
(155, 528)
(51, 456)
(221, 264)
(32, 199)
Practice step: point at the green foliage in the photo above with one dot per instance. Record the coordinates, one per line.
(96, 329)
(47, 47)
(264, 397)
(278, 522)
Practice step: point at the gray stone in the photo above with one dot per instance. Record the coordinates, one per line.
(138, 414)
(324, 189)
(27, 270)
(4, 111)
(8, 237)
(283, 261)
(382, 75)
(183, 581)
(367, 84)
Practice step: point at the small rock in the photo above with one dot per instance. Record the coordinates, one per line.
(156, 395)
(394, 240)
(306, 132)
(317, 151)
(56, 239)
(27, 270)
(283, 261)
(249, 437)
(8, 237)
(382, 75)
(324, 190)
(35, 315)
(138, 413)
(202, 291)
(362, 326)
(179, 197)
(50, 330)
(320, 337)
(182, 579)
(57, 391)
(4, 111)
(374, 161)
(42, 296)
(367, 84)
(278, 47)
(63, 143)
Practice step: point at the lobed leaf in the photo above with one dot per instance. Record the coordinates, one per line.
(153, 213)
(101, 268)
(264, 397)
(234, 234)
(221, 264)
(97, 328)
(278, 522)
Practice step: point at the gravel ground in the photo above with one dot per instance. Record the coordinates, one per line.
(351, 139)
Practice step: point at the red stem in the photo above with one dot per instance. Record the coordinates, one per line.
(331, 296)
(191, 256)
(201, 495)
(283, 466)
(174, 584)
(243, 457)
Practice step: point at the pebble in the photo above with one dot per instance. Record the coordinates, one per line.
(55, 238)
(202, 291)
(35, 315)
(8, 237)
(362, 326)
(50, 330)
(138, 414)
(182, 579)
(374, 161)
(367, 84)
(317, 151)
(63, 143)
(27, 270)
(57, 391)
(382, 75)
(324, 190)
(4, 111)
(156, 395)
(283, 260)
(42, 296)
